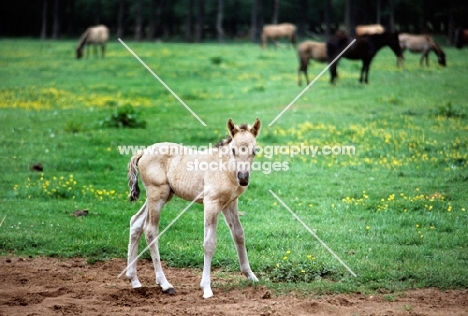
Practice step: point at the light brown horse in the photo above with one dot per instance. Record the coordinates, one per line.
(97, 35)
(169, 169)
(274, 32)
(306, 51)
(423, 44)
(369, 29)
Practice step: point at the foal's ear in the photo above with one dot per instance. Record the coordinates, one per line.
(255, 129)
(232, 128)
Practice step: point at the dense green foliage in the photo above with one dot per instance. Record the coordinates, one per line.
(395, 211)
(169, 18)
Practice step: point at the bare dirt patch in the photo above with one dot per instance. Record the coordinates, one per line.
(47, 286)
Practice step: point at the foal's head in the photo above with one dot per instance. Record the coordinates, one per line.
(242, 148)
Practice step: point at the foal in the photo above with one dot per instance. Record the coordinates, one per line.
(169, 169)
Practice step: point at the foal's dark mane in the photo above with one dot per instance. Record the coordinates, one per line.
(226, 140)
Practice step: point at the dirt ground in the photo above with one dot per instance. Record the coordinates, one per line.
(45, 286)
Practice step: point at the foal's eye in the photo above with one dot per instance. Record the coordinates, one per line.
(233, 151)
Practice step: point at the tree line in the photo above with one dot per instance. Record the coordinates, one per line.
(221, 20)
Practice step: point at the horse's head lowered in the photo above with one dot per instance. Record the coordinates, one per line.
(242, 149)
(79, 52)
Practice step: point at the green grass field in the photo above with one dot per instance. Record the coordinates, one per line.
(395, 211)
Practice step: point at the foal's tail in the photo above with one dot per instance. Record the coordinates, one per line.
(133, 177)
(294, 37)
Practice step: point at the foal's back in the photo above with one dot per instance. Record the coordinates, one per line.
(187, 171)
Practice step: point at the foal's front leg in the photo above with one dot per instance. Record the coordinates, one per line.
(211, 211)
(231, 216)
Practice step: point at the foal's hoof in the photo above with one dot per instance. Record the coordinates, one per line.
(169, 291)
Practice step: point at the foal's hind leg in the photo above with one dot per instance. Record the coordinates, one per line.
(136, 229)
(231, 216)
(157, 197)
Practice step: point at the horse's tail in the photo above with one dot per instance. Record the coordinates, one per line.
(294, 36)
(133, 177)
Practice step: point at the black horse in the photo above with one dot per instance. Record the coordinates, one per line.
(461, 38)
(365, 48)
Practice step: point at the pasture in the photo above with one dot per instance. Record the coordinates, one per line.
(395, 211)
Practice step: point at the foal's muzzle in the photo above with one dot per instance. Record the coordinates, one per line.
(243, 178)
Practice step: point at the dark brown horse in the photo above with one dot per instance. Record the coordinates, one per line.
(365, 48)
(461, 38)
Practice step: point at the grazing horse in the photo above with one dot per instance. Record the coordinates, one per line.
(214, 177)
(97, 35)
(276, 31)
(421, 44)
(461, 38)
(369, 29)
(306, 51)
(365, 48)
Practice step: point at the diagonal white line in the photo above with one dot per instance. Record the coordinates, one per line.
(310, 84)
(313, 234)
(162, 82)
(160, 234)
